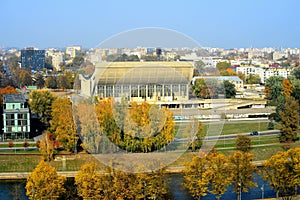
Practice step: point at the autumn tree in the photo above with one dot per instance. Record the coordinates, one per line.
(44, 182)
(282, 171)
(223, 66)
(51, 82)
(142, 128)
(150, 185)
(242, 171)
(41, 103)
(195, 133)
(7, 90)
(88, 126)
(287, 88)
(46, 146)
(243, 143)
(217, 172)
(196, 177)
(88, 182)
(63, 124)
(25, 78)
(289, 123)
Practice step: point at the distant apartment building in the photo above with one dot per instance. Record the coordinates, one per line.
(263, 72)
(72, 51)
(238, 83)
(279, 55)
(57, 58)
(32, 59)
(16, 117)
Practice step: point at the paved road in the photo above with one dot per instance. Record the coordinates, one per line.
(231, 136)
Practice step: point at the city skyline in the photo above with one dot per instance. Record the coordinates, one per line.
(224, 24)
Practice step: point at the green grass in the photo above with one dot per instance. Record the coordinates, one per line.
(246, 127)
(16, 145)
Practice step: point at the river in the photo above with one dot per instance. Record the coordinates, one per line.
(12, 190)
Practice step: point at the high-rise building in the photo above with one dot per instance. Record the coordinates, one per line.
(32, 59)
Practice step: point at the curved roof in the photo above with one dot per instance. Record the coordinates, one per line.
(144, 72)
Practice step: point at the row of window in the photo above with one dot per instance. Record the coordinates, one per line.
(20, 122)
(141, 90)
(19, 116)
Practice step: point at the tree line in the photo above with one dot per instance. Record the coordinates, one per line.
(92, 182)
(213, 172)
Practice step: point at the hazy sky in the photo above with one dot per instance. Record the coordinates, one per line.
(214, 23)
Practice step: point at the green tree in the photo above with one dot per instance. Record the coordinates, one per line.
(198, 86)
(242, 171)
(295, 86)
(223, 66)
(51, 82)
(289, 121)
(282, 171)
(196, 177)
(199, 68)
(41, 103)
(44, 182)
(243, 143)
(253, 79)
(39, 80)
(274, 87)
(229, 89)
(77, 61)
(88, 182)
(63, 82)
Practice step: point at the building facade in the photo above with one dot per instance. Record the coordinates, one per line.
(16, 117)
(139, 81)
(32, 59)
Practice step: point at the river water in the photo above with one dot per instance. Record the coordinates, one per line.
(12, 190)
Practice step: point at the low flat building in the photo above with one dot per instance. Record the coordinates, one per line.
(16, 117)
(139, 81)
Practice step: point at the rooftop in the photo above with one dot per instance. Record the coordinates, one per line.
(13, 98)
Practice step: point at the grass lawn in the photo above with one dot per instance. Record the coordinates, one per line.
(227, 129)
(244, 127)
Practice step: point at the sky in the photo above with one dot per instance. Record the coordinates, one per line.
(211, 23)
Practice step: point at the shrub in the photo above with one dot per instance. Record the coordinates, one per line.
(25, 144)
(10, 144)
(38, 144)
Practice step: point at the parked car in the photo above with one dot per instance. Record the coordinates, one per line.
(254, 133)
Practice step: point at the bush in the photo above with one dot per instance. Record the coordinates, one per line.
(38, 144)
(25, 144)
(10, 144)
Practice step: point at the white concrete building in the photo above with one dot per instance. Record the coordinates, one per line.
(72, 50)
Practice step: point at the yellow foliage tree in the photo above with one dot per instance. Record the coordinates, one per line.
(44, 182)
(62, 123)
(287, 88)
(242, 171)
(196, 178)
(282, 170)
(88, 181)
(46, 146)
